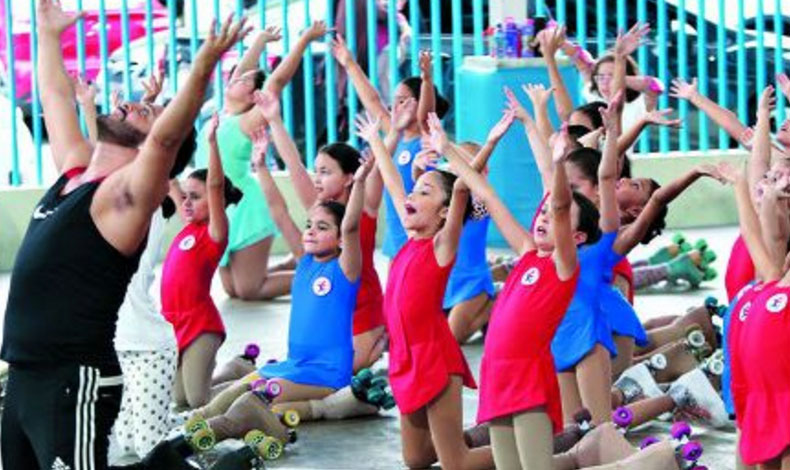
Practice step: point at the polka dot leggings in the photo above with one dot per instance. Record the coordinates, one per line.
(147, 390)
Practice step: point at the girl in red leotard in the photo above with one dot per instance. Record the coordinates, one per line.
(187, 272)
(427, 368)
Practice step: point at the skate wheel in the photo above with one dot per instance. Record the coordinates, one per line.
(388, 403)
(203, 439)
(695, 337)
(701, 245)
(252, 351)
(269, 448)
(622, 417)
(291, 418)
(257, 383)
(648, 441)
(691, 451)
(254, 437)
(380, 382)
(375, 396)
(680, 430)
(678, 239)
(364, 376)
(716, 366)
(658, 361)
(195, 423)
(711, 302)
(273, 389)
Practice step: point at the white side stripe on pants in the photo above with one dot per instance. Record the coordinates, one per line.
(84, 436)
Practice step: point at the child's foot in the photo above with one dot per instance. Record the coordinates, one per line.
(637, 382)
(694, 395)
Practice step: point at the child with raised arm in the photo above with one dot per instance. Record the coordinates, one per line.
(187, 272)
(335, 166)
(427, 368)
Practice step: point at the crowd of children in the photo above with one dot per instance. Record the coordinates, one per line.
(564, 353)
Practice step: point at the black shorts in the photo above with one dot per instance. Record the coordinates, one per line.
(59, 417)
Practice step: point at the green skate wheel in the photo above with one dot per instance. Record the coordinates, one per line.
(291, 418)
(203, 439)
(707, 257)
(678, 238)
(380, 382)
(388, 403)
(376, 396)
(270, 448)
(710, 274)
(254, 437)
(195, 423)
(702, 245)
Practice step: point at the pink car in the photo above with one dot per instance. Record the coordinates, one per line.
(23, 68)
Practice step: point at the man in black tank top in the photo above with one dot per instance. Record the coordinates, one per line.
(80, 251)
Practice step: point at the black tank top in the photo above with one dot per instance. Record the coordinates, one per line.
(67, 285)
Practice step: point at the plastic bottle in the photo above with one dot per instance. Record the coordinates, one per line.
(490, 36)
(512, 43)
(527, 37)
(499, 40)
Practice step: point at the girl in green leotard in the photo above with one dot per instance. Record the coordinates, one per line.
(244, 267)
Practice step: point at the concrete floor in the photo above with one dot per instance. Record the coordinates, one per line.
(374, 443)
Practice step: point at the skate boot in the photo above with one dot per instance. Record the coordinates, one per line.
(249, 411)
(683, 268)
(713, 365)
(694, 395)
(696, 343)
(678, 246)
(237, 367)
(342, 404)
(637, 382)
(714, 307)
(372, 389)
(477, 436)
(582, 424)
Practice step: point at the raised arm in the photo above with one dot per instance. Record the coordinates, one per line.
(760, 158)
(351, 256)
(540, 147)
(277, 205)
(607, 171)
(624, 46)
(252, 56)
(550, 42)
(775, 220)
(581, 59)
(723, 117)
(69, 148)
(766, 267)
(633, 233)
(427, 101)
(215, 187)
(368, 129)
(86, 96)
(494, 136)
(365, 92)
(565, 252)
(655, 117)
(283, 73)
(269, 107)
(540, 97)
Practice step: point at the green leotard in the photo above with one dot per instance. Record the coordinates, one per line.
(249, 220)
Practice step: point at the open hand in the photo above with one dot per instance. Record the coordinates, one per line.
(260, 147)
(501, 127)
(218, 42)
(366, 127)
(51, 18)
(267, 104)
(682, 89)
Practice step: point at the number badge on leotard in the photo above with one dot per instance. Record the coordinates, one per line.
(322, 286)
(776, 303)
(187, 243)
(744, 311)
(531, 276)
(404, 157)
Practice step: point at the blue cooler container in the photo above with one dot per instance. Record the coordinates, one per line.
(512, 166)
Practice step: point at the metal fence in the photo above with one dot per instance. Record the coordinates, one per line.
(734, 52)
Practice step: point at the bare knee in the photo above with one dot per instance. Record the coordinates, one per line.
(418, 459)
(249, 291)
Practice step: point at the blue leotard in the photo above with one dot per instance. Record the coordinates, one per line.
(395, 236)
(470, 276)
(320, 350)
(620, 313)
(585, 324)
(726, 376)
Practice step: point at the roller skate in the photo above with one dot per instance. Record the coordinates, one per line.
(622, 417)
(250, 411)
(372, 389)
(685, 268)
(713, 365)
(243, 458)
(582, 424)
(694, 395)
(678, 246)
(265, 447)
(714, 307)
(266, 390)
(342, 404)
(239, 366)
(637, 382)
(696, 343)
(688, 451)
(198, 437)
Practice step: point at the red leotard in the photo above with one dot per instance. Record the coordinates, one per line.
(369, 312)
(624, 269)
(186, 284)
(764, 365)
(740, 268)
(423, 351)
(517, 372)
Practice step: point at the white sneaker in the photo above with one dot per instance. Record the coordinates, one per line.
(638, 376)
(694, 394)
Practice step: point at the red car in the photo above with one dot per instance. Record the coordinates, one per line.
(23, 68)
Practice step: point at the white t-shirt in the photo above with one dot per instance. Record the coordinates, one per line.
(141, 327)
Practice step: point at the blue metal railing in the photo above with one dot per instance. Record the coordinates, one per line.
(730, 52)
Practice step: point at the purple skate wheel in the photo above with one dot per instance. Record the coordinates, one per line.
(680, 430)
(251, 351)
(256, 384)
(691, 451)
(648, 441)
(622, 417)
(273, 389)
